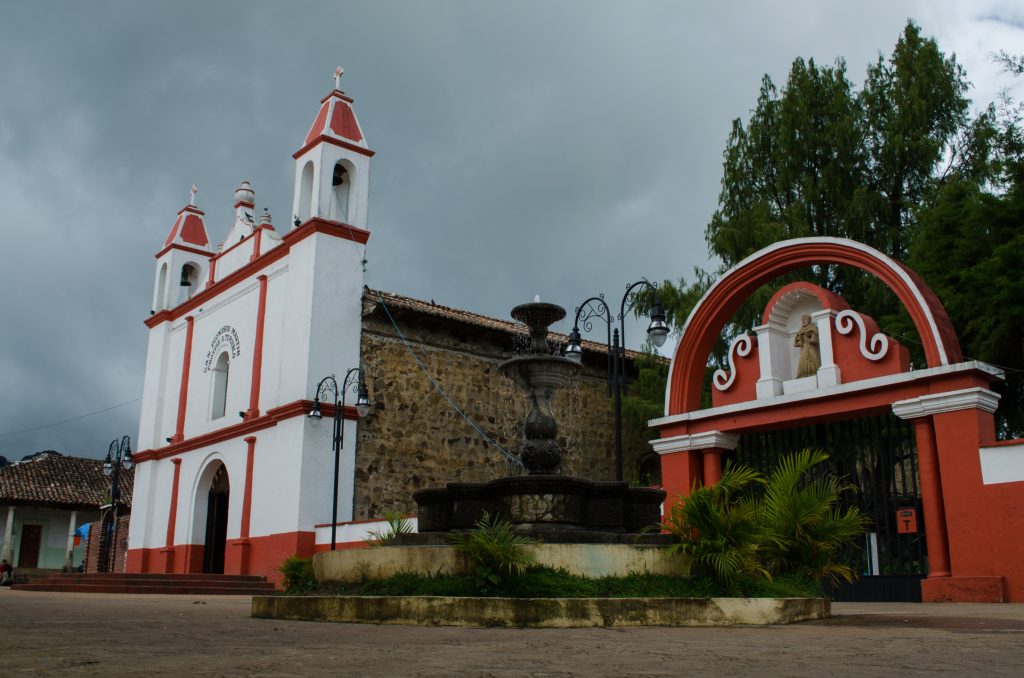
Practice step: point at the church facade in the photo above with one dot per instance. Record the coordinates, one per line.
(232, 475)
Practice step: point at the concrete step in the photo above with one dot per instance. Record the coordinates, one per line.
(129, 577)
(116, 582)
(167, 590)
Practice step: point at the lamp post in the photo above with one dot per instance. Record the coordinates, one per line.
(329, 386)
(657, 332)
(119, 455)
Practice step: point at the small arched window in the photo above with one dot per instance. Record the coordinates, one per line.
(341, 182)
(219, 398)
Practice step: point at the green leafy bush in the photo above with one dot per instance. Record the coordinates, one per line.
(397, 526)
(493, 550)
(740, 537)
(808, 527)
(719, 530)
(298, 575)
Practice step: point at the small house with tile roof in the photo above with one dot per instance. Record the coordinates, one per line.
(44, 499)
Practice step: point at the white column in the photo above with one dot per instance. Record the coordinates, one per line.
(68, 560)
(8, 552)
(828, 372)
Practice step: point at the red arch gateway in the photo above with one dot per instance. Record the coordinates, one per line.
(721, 301)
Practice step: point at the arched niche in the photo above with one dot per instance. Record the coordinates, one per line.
(161, 289)
(306, 192)
(219, 385)
(724, 298)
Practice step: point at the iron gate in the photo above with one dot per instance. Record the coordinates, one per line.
(878, 455)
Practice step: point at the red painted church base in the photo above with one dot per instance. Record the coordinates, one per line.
(253, 556)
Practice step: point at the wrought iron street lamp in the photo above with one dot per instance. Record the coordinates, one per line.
(328, 386)
(657, 332)
(119, 456)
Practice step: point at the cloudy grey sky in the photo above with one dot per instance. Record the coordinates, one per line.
(560, 148)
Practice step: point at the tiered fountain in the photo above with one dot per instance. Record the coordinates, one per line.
(544, 503)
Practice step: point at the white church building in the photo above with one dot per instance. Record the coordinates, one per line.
(231, 474)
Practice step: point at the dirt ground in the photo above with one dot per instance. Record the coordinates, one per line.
(69, 634)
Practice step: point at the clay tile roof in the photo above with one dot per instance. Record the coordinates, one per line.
(54, 480)
(468, 317)
(335, 119)
(189, 228)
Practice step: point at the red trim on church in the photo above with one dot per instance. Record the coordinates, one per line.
(179, 428)
(257, 353)
(265, 555)
(184, 248)
(337, 142)
(314, 225)
(298, 408)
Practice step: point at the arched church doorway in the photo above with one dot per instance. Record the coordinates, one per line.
(216, 522)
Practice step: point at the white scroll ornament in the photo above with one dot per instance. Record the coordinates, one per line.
(741, 347)
(845, 320)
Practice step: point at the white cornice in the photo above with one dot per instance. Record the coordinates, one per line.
(828, 392)
(951, 401)
(696, 441)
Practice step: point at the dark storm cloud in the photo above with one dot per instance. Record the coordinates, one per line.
(559, 148)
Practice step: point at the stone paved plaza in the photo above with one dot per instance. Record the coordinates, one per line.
(67, 634)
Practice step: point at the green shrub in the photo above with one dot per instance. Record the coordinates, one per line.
(740, 539)
(298, 575)
(397, 526)
(719, 530)
(801, 511)
(493, 550)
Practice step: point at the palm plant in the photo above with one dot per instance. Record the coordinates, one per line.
(806, 525)
(719, 529)
(493, 549)
(397, 526)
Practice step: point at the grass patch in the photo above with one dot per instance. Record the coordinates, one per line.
(544, 582)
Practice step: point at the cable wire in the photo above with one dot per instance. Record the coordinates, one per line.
(66, 421)
(423, 368)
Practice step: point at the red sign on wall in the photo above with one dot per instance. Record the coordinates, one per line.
(906, 521)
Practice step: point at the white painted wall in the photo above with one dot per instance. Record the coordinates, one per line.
(312, 329)
(1003, 464)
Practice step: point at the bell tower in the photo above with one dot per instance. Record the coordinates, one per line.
(332, 169)
(184, 260)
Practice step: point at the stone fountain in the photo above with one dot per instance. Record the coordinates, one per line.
(545, 503)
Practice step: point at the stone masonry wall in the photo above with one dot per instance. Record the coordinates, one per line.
(417, 440)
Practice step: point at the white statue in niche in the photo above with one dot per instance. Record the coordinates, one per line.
(806, 340)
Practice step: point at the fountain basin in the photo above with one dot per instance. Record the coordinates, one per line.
(545, 505)
(542, 371)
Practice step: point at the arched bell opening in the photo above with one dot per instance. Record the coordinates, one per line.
(341, 184)
(306, 193)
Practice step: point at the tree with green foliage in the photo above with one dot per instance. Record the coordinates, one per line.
(818, 158)
(899, 165)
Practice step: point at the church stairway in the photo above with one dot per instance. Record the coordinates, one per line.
(182, 584)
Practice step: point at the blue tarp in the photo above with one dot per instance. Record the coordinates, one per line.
(83, 531)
